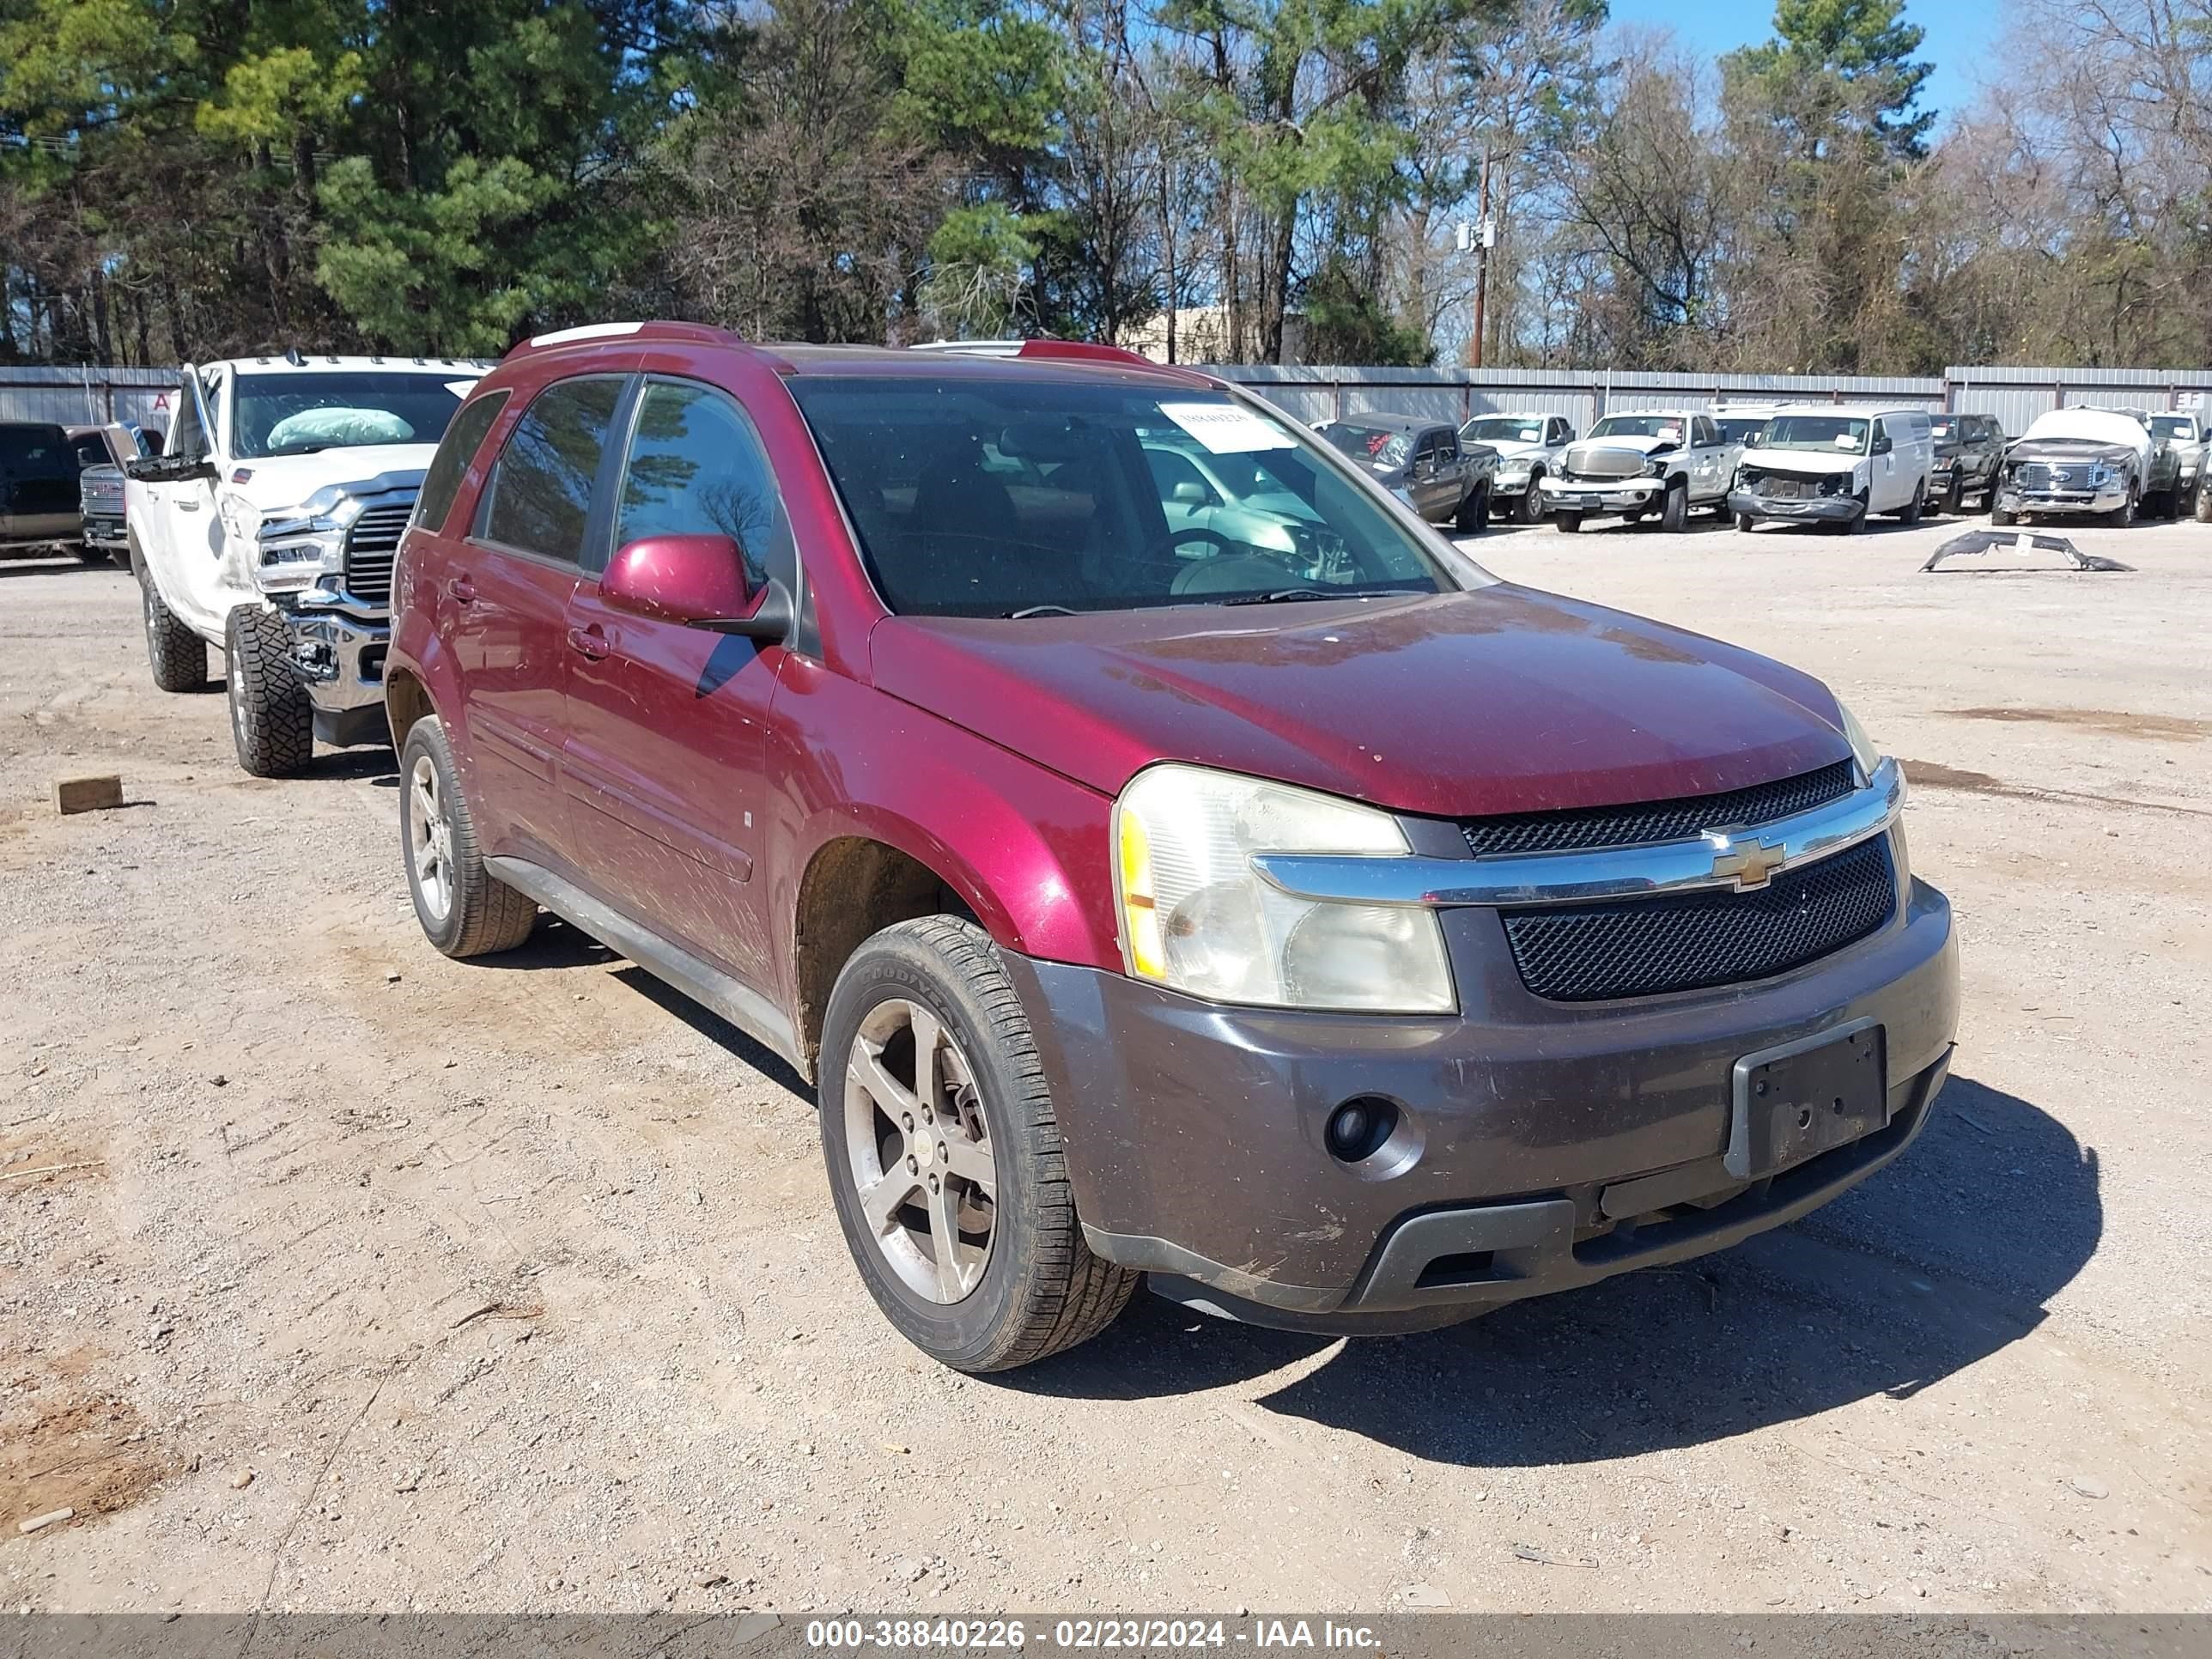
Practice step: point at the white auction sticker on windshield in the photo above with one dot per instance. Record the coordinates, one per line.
(1227, 428)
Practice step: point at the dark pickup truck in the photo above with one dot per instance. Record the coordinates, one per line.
(38, 504)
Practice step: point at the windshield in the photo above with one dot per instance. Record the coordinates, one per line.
(1669, 426)
(1383, 446)
(1007, 499)
(1740, 428)
(1503, 429)
(298, 414)
(1835, 433)
(2173, 426)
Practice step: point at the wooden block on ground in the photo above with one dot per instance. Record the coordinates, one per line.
(90, 794)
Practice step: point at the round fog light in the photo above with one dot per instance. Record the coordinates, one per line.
(1359, 1129)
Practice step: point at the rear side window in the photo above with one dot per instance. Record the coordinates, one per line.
(696, 468)
(539, 499)
(91, 451)
(455, 451)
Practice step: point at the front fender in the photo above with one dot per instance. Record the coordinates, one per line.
(1025, 849)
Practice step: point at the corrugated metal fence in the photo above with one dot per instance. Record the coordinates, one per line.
(2016, 395)
(85, 396)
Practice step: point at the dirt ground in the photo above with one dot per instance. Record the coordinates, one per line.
(335, 1275)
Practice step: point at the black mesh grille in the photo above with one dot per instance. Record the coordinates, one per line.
(372, 544)
(1641, 947)
(1578, 830)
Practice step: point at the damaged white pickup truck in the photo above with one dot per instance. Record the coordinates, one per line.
(268, 526)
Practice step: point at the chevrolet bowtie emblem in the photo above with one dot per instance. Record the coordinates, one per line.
(1750, 863)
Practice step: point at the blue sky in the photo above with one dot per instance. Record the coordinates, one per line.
(1960, 36)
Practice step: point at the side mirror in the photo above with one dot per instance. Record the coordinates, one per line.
(1190, 493)
(697, 580)
(171, 469)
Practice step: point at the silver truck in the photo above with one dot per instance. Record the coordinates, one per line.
(2189, 434)
(268, 526)
(1662, 461)
(1529, 447)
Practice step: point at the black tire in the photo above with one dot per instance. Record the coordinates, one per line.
(2125, 514)
(88, 554)
(176, 654)
(271, 721)
(2203, 504)
(482, 914)
(1744, 522)
(2001, 518)
(1953, 498)
(1041, 1292)
(1674, 515)
(1847, 526)
(1914, 507)
(1530, 506)
(1473, 514)
(1566, 523)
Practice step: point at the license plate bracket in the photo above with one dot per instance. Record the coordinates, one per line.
(1800, 1099)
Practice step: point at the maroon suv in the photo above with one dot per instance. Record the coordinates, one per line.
(1236, 886)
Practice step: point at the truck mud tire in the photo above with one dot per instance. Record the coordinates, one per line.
(944, 1155)
(1674, 516)
(1473, 513)
(1530, 506)
(1566, 523)
(271, 721)
(2125, 514)
(2001, 518)
(464, 910)
(177, 655)
(2204, 508)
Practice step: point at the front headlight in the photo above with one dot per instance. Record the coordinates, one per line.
(1196, 916)
(2099, 476)
(1863, 746)
(1513, 471)
(1657, 468)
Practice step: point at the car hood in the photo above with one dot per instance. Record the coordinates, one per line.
(1500, 700)
(2078, 450)
(277, 481)
(1506, 451)
(1818, 462)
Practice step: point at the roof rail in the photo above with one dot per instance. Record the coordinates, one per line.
(1081, 351)
(644, 331)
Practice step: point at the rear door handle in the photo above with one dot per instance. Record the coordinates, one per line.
(462, 590)
(589, 642)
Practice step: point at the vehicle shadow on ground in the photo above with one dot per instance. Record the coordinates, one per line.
(45, 566)
(1938, 1262)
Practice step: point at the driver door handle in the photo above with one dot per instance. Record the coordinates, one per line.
(188, 505)
(461, 590)
(590, 643)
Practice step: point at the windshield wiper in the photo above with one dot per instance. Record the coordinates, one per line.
(1041, 611)
(1291, 595)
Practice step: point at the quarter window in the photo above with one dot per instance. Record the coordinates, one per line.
(697, 468)
(455, 451)
(539, 499)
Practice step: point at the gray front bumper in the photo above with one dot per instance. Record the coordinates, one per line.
(1830, 509)
(2012, 500)
(1595, 500)
(339, 652)
(1551, 1134)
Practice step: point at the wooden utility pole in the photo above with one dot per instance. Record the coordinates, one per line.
(1482, 261)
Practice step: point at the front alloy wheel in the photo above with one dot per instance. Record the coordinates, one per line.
(920, 1150)
(430, 839)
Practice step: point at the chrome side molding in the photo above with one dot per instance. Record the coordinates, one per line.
(1744, 860)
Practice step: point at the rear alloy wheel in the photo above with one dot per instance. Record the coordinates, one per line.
(177, 655)
(944, 1155)
(464, 910)
(271, 721)
(1530, 506)
(1674, 516)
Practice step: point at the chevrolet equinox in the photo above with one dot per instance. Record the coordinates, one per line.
(1271, 904)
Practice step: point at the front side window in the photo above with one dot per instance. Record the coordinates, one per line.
(539, 499)
(300, 412)
(1837, 434)
(2181, 428)
(455, 451)
(91, 450)
(1741, 428)
(696, 468)
(1086, 527)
